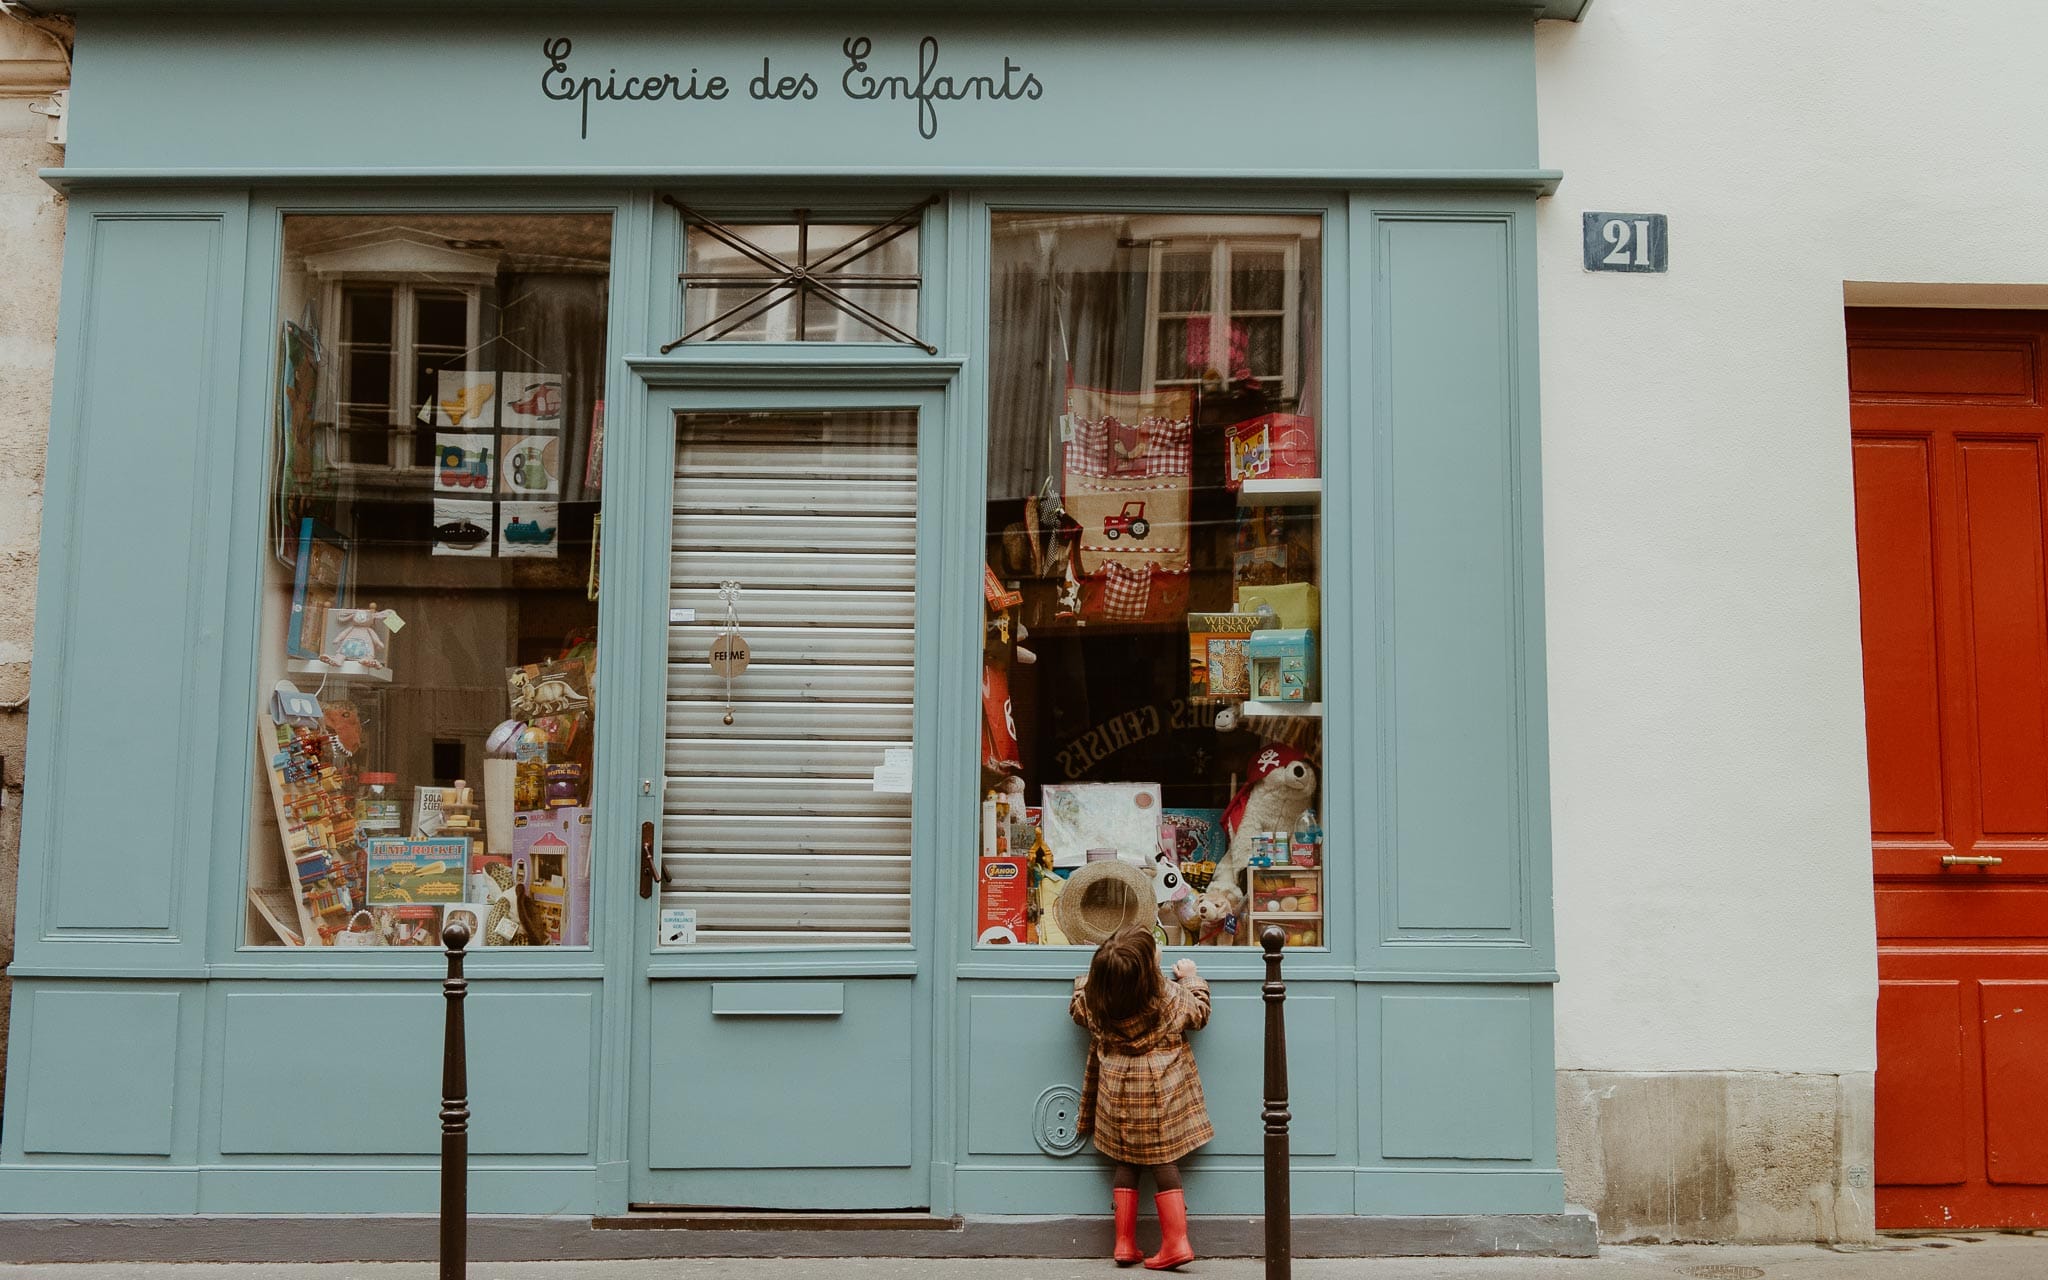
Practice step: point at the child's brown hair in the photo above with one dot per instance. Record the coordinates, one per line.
(1123, 979)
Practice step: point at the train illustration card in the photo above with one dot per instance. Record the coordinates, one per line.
(465, 462)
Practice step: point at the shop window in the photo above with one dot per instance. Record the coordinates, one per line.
(800, 280)
(1152, 710)
(426, 705)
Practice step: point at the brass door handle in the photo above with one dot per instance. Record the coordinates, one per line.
(647, 872)
(1980, 860)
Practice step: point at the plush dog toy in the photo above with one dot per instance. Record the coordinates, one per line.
(1283, 783)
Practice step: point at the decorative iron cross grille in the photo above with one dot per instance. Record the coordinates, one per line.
(777, 281)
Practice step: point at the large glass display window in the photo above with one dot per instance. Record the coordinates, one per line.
(428, 621)
(1152, 710)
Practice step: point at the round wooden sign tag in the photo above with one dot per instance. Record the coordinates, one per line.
(729, 655)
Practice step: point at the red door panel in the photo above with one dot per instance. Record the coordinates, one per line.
(1902, 712)
(1920, 1104)
(1951, 474)
(2014, 1016)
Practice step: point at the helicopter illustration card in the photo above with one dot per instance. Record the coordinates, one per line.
(531, 465)
(465, 463)
(462, 527)
(530, 401)
(464, 398)
(529, 529)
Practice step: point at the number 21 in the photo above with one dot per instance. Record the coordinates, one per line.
(1615, 231)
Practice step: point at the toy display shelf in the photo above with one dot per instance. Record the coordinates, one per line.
(1280, 493)
(350, 670)
(1274, 707)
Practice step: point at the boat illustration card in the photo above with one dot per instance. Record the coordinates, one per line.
(529, 529)
(464, 462)
(531, 465)
(462, 527)
(530, 401)
(465, 399)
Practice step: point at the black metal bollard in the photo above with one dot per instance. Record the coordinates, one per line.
(455, 1115)
(1279, 1207)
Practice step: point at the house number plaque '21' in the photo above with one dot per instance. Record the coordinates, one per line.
(1638, 242)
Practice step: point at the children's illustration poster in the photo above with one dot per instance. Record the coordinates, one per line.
(529, 529)
(530, 401)
(531, 465)
(464, 462)
(419, 870)
(462, 527)
(466, 399)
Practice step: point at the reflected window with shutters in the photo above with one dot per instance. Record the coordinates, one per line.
(792, 627)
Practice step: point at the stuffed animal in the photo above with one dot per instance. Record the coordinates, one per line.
(1216, 916)
(1175, 901)
(1283, 783)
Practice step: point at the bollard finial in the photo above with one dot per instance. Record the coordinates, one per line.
(456, 936)
(1272, 938)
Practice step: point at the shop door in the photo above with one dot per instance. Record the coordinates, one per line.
(783, 1028)
(1949, 431)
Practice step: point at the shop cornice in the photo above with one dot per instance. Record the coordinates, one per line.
(1568, 10)
(1541, 182)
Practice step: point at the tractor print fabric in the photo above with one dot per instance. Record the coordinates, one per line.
(1129, 467)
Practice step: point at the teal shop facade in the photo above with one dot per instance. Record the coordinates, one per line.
(161, 1064)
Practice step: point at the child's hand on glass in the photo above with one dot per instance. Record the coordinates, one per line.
(1183, 969)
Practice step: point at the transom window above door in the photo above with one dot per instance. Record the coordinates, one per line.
(800, 279)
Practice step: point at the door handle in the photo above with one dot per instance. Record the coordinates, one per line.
(1981, 860)
(646, 859)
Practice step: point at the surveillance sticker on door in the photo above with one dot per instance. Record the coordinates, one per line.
(678, 926)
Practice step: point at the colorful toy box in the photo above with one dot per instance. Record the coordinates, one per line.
(1274, 446)
(1283, 665)
(551, 857)
(1291, 604)
(1218, 669)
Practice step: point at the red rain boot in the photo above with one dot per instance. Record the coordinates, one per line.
(1174, 1248)
(1127, 1250)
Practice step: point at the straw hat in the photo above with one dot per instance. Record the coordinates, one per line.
(1101, 898)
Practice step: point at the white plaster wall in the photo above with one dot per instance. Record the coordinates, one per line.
(1712, 843)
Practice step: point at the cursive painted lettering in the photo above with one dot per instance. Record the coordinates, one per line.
(558, 83)
(931, 88)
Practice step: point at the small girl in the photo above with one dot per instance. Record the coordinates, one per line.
(1141, 1097)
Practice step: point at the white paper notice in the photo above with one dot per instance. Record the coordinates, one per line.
(893, 774)
(678, 926)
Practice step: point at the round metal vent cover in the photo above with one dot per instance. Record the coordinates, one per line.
(1055, 1122)
(1723, 1271)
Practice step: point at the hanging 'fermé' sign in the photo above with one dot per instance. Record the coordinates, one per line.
(729, 655)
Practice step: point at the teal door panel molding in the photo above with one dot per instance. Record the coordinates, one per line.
(1022, 10)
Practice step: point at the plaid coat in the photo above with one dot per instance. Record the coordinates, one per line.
(1141, 1096)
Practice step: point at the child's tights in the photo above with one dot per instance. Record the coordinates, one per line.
(1165, 1177)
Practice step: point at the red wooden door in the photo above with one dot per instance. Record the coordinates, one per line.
(1951, 462)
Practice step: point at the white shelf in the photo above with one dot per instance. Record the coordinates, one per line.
(356, 670)
(1280, 493)
(1270, 707)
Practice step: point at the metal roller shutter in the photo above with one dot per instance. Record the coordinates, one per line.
(772, 829)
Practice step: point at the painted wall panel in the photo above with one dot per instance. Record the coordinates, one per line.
(102, 1067)
(358, 1072)
(1447, 378)
(1455, 1077)
(2015, 1028)
(1231, 1054)
(1902, 699)
(1415, 93)
(1018, 1045)
(1921, 1101)
(2001, 486)
(134, 548)
(781, 1092)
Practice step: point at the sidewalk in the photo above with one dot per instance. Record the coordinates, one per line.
(1970, 1256)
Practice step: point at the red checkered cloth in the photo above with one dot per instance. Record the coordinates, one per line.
(1126, 592)
(1109, 446)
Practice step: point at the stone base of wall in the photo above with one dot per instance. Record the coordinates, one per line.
(1748, 1157)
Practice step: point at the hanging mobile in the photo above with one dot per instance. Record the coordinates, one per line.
(729, 653)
